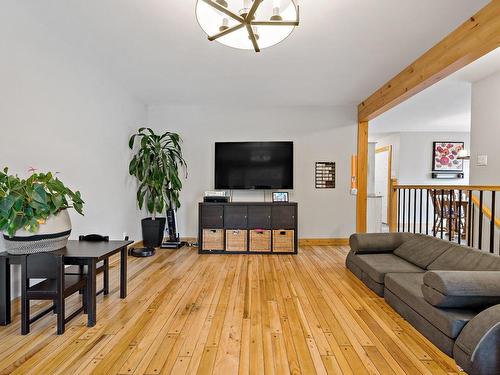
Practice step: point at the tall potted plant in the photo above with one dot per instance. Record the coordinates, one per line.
(34, 212)
(156, 165)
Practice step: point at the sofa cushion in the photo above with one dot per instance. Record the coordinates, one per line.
(373, 243)
(408, 287)
(422, 250)
(377, 265)
(462, 258)
(462, 289)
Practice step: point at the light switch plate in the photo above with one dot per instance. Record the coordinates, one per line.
(482, 160)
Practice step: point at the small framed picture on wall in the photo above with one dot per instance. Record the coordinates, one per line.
(445, 157)
(280, 196)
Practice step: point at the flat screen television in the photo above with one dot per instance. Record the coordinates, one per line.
(253, 165)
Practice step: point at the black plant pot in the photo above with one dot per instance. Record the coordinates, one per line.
(152, 231)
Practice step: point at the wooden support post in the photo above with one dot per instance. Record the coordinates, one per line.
(393, 206)
(362, 176)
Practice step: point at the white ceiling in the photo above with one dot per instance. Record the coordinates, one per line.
(479, 69)
(341, 53)
(445, 106)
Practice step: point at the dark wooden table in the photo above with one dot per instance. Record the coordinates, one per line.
(80, 253)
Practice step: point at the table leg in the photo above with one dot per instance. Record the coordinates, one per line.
(106, 276)
(5, 313)
(123, 273)
(91, 292)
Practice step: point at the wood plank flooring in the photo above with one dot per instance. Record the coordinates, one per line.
(229, 314)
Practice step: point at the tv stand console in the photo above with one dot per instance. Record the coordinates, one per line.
(247, 228)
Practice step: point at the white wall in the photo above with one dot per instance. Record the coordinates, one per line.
(59, 114)
(485, 133)
(319, 134)
(415, 157)
(412, 156)
(485, 136)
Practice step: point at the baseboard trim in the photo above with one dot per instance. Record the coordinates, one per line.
(323, 241)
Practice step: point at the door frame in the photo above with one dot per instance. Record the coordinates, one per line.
(388, 149)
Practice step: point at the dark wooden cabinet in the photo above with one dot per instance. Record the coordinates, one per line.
(249, 218)
(235, 217)
(212, 216)
(259, 217)
(283, 217)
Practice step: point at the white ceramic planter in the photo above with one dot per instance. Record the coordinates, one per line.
(52, 235)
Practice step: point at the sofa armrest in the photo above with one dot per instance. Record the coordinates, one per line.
(462, 289)
(373, 243)
(464, 283)
(480, 342)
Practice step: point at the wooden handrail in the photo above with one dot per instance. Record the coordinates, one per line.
(451, 187)
(486, 210)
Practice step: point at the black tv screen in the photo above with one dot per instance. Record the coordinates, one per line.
(253, 165)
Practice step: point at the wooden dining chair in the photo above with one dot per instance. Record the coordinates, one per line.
(56, 287)
(102, 267)
(436, 202)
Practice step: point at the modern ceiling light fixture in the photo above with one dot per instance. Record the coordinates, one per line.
(248, 24)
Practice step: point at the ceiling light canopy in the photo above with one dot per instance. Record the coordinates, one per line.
(248, 24)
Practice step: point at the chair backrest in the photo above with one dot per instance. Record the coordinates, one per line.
(94, 238)
(44, 266)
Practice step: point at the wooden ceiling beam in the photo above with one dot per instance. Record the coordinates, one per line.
(473, 39)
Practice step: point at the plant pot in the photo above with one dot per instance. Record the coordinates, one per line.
(152, 231)
(52, 235)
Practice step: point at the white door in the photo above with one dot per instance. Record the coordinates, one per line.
(382, 179)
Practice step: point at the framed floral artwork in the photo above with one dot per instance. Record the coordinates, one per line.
(445, 157)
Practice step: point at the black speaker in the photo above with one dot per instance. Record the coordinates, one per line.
(216, 199)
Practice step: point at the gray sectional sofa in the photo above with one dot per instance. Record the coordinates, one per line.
(450, 293)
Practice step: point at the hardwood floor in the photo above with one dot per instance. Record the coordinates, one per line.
(230, 314)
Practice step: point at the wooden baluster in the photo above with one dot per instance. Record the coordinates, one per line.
(415, 211)
(404, 209)
(434, 202)
(409, 210)
(442, 213)
(492, 223)
(459, 216)
(469, 220)
(399, 210)
(427, 213)
(480, 230)
(421, 205)
(473, 229)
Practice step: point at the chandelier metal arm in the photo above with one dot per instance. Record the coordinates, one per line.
(226, 11)
(253, 9)
(225, 32)
(251, 34)
(275, 23)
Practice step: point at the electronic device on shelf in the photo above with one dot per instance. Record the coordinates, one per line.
(216, 197)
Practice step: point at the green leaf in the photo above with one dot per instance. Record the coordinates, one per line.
(39, 194)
